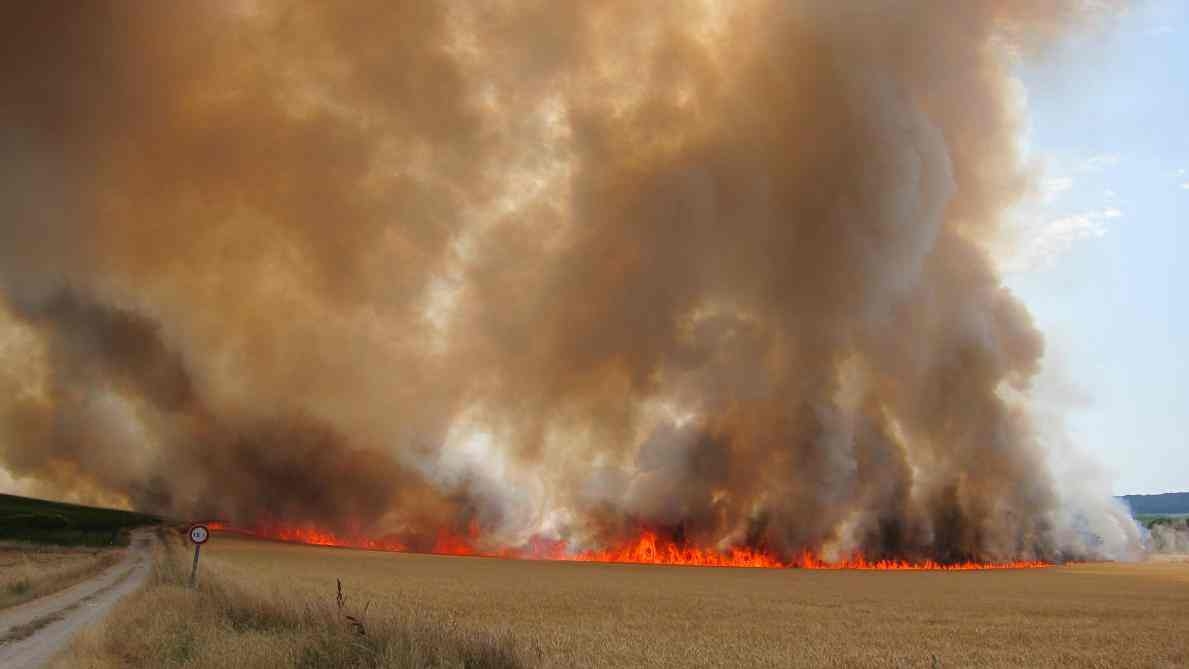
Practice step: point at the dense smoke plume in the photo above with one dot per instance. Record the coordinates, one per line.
(1169, 537)
(717, 269)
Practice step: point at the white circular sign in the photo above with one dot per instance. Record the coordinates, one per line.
(199, 534)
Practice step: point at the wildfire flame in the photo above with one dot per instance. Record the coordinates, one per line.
(647, 548)
(311, 535)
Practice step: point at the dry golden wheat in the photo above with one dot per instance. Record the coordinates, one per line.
(28, 571)
(268, 604)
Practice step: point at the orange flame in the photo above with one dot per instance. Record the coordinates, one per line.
(448, 543)
(809, 561)
(647, 548)
(306, 534)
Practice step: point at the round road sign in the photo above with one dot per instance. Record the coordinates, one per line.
(199, 534)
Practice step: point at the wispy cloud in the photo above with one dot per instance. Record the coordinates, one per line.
(1051, 189)
(1099, 162)
(1047, 240)
(1185, 185)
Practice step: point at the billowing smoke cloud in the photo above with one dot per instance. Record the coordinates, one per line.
(1169, 537)
(717, 269)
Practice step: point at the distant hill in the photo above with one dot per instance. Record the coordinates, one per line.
(42, 521)
(1167, 503)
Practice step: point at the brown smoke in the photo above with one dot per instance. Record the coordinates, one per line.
(714, 268)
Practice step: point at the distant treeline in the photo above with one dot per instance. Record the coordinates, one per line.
(41, 521)
(1167, 503)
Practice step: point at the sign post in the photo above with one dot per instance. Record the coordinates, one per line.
(198, 536)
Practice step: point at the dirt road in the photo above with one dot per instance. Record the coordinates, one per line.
(33, 632)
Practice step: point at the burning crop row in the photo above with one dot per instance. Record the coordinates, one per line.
(647, 548)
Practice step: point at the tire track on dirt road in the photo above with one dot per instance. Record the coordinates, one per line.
(33, 632)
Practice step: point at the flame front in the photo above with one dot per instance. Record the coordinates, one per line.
(650, 549)
(647, 548)
(312, 536)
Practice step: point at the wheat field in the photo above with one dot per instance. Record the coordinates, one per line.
(597, 615)
(28, 571)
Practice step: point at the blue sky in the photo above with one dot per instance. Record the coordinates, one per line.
(1101, 255)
